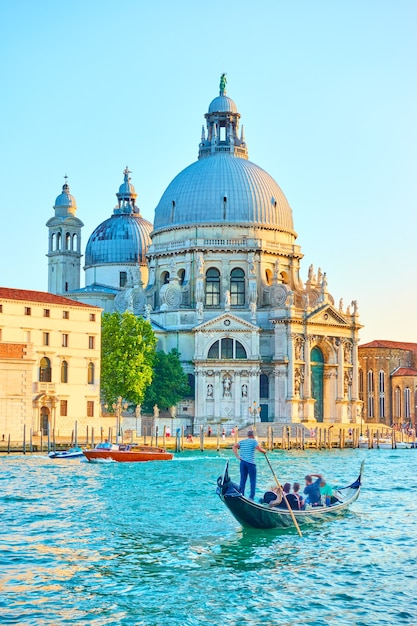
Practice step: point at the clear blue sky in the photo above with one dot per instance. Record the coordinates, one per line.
(328, 96)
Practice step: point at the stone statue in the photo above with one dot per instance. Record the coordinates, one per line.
(227, 300)
(223, 82)
(172, 266)
(355, 307)
(209, 391)
(200, 264)
(227, 385)
(199, 309)
(310, 272)
(244, 391)
(138, 410)
(341, 304)
(155, 410)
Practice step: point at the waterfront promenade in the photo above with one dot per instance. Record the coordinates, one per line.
(270, 435)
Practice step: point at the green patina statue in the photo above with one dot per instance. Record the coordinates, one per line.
(223, 81)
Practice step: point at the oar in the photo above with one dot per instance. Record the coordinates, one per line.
(285, 497)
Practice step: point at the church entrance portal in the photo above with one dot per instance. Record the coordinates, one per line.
(317, 370)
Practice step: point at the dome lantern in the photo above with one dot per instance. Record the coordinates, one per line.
(222, 127)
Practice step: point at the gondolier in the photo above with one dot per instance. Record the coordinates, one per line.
(245, 452)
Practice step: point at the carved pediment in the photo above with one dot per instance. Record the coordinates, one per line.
(327, 315)
(226, 322)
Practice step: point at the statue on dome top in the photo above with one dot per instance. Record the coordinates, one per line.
(223, 82)
(126, 173)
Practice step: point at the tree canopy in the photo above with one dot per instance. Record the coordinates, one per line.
(169, 383)
(127, 356)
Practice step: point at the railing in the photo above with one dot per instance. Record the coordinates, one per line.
(44, 387)
(235, 243)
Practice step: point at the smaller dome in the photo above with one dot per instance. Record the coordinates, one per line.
(65, 199)
(222, 104)
(120, 239)
(127, 188)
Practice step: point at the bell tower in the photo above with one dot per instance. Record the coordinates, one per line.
(64, 245)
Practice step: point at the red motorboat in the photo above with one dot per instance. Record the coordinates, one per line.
(126, 453)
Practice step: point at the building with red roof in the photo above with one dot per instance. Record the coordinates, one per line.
(49, 364)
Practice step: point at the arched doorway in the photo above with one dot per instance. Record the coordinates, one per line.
(45, 413)
(317, 370)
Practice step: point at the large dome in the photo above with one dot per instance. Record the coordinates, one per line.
(223, 189)
(120, 239)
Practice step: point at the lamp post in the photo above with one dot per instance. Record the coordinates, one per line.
(117, 408)
(254, 411)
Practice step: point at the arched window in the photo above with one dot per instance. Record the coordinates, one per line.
(212, 287)
(45, 372)
(397, 404)
(53, 241)
(284, 278)
(227, 348)
(381, 393)
(75, 242)
(407, 403)
(191, 384)
(58, 241)
(181, 276)
(263, 386)
(268, 277)
(67, 241)
(64, 372)
(165, 278)
(90, 375)
(237, 287)
(371, 407)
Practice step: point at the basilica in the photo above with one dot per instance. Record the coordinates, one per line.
(218, 276)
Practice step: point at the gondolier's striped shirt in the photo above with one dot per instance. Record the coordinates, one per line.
(247, 449)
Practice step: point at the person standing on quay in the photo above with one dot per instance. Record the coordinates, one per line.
(245, 452)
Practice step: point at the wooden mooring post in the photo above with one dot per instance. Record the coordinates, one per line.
(201, 438)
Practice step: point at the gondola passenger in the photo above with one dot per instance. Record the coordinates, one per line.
(312, 489)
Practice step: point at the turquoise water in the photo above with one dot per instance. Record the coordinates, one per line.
(151, 543)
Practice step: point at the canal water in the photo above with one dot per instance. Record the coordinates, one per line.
(151, 544)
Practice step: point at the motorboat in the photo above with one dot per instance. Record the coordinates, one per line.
(106, 451)
(389, 444)
(72, 453)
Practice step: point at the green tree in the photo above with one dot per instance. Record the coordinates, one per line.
(127, 354)
(169, 383)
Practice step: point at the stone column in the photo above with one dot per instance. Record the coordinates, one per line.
(218, 394)
(237, 394)
(340, 371)
(355, 371)
(307, 368)
(290, 346)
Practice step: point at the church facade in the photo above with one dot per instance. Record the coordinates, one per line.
(218, 275)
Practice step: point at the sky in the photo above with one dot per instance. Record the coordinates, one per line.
(327, 94)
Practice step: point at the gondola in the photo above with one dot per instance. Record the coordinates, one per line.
(251, 514)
